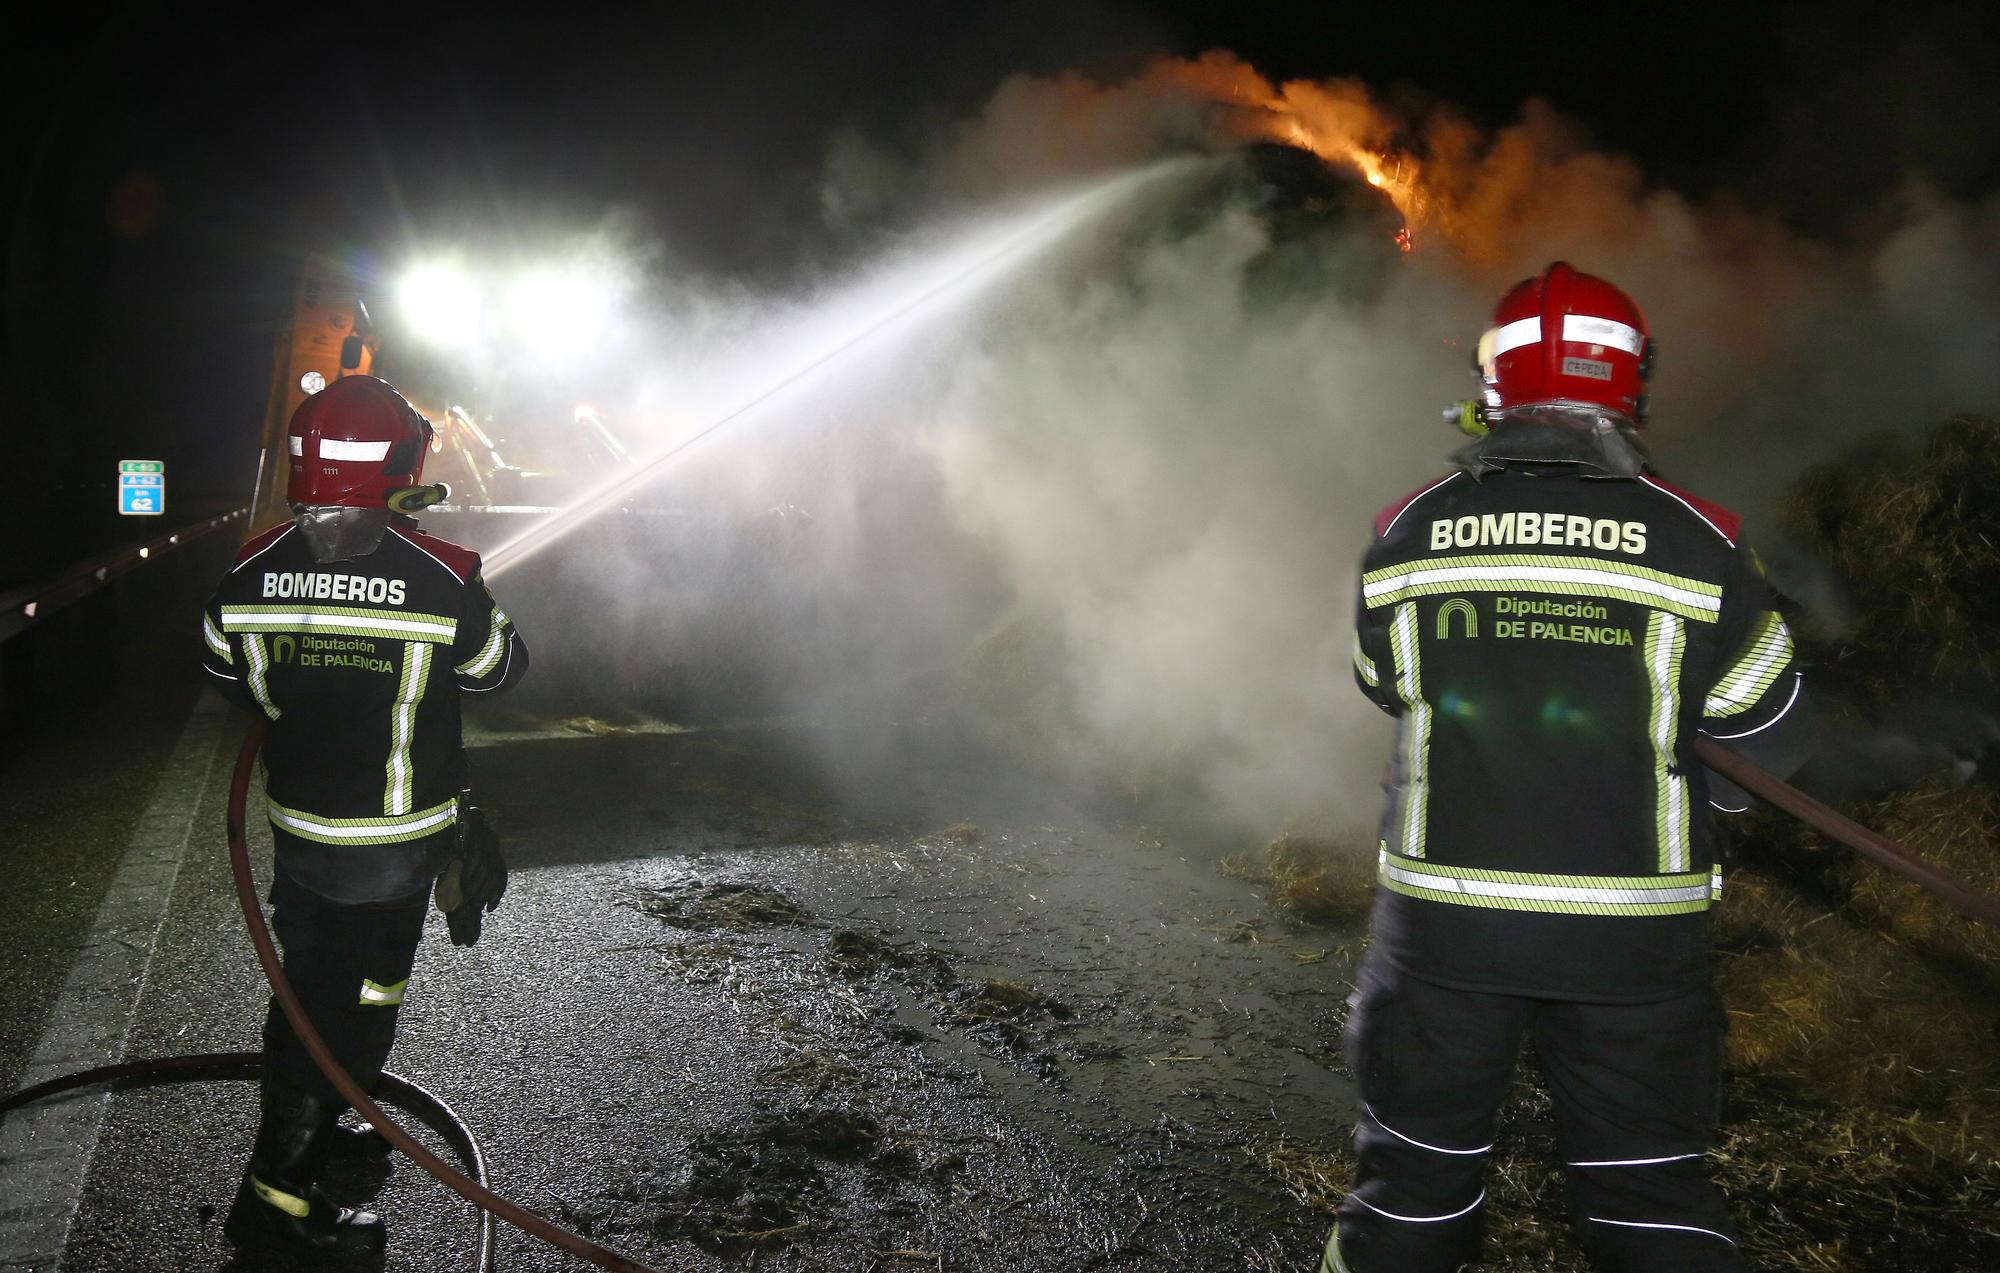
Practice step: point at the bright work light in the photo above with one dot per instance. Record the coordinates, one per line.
(442, 305)
(560, 312)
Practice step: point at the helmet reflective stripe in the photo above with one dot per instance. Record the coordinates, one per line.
(1589, 330)
(1522, 331)
(340, 449)
(376, 995)
(296, 444)
(1556, 894)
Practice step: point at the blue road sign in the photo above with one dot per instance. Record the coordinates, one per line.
(142, 488)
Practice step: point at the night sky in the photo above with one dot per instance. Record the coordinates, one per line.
(166, 172)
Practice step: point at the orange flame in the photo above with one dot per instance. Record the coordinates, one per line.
(1335, 121)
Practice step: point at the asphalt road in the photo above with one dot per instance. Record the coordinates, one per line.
(773, 996)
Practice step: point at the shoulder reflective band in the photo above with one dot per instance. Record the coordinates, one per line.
(311, 826)
(213, 638)
(1556, 894)
(403, 725)
(1765, 657)
(1416, 729)
(488, 658)
(340, 621)
(260, 663)
(1666, 642)
(1533, 572)
(1363, 665)
(376, 995)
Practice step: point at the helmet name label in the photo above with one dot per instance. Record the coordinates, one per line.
(325, 586)
(1555, 530)
(1589, 368)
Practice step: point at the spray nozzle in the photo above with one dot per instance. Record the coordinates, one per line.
(1468, 417)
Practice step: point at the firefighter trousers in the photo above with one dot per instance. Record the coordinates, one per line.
(1636, 1089)
(349, 966)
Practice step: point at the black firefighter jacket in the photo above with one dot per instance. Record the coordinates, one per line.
(1550, 642)
(358, 666)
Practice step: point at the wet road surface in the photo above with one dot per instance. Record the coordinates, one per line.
(790, 998)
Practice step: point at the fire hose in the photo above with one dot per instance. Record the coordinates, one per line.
(1971, 902)
(431, 1110)
(434, 1113)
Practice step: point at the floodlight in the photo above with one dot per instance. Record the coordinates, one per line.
(442, 305)
(560, 311)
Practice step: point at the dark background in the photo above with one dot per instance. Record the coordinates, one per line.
(166, 172)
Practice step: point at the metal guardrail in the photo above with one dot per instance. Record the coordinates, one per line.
(23, 608)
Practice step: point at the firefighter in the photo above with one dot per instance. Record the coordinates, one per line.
(1552, 625)
(354, 634)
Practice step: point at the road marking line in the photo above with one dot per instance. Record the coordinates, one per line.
(46, 1149)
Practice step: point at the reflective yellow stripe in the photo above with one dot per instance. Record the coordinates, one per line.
(1674, 894)
(396, 799)
(1405, 647)
(340, 621)
(1565, 576)
(1764, 658)
(260, 665)
(489, 654)
(311, 826)
(376, 995)
(1666, 642)
(215, 640)
(1331, 1261)
(289, 1203)
(1365, 665)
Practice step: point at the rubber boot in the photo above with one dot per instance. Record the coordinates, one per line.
(360, 1141)
(278, 1208)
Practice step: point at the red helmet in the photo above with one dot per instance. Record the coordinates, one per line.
(355, 442)
(1567, 338)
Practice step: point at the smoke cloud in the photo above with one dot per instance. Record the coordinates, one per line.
(1107, 511)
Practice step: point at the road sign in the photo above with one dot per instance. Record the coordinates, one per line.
(142, 487)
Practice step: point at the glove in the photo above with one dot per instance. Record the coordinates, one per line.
(474, 879)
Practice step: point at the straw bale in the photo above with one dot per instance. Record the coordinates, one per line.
(1315, 876)
(1915, 534)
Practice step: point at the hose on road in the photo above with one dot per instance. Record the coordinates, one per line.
(427, 1108)
(440, 1117)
